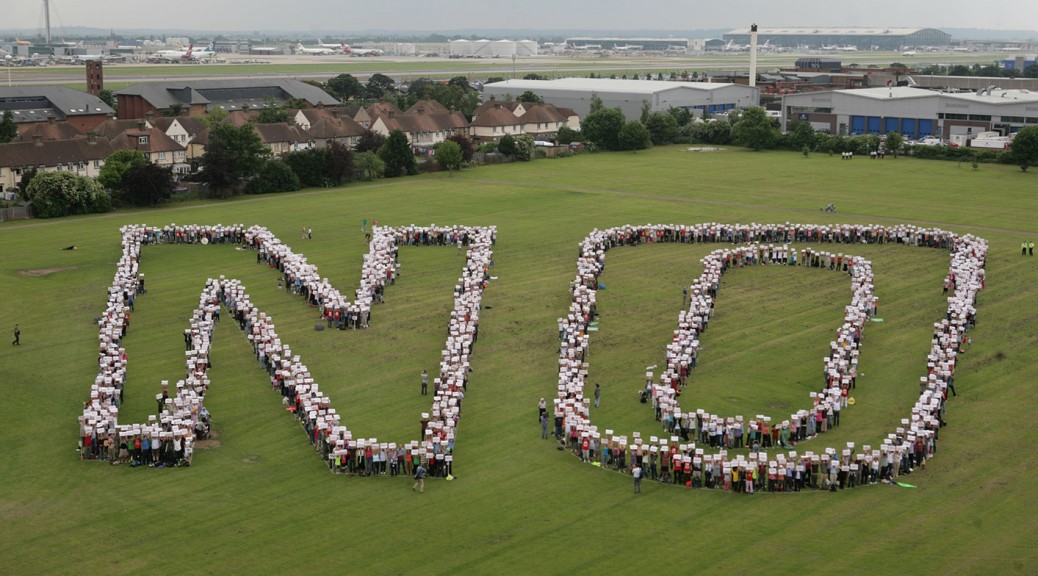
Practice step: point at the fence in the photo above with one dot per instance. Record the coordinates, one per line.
(16, 213)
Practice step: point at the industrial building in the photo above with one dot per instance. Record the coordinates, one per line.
(628, 95)
(843, 38)
(196, 97)
(492, 48)
(42, 103)
(631, 44)
(913, 112)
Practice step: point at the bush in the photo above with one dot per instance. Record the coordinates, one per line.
(275, 176)
(55, 194)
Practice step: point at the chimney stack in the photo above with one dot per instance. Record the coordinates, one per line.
(753, 55)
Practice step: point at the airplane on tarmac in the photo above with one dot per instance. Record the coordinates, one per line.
(909, 53)
(332, 45)
(174, 54)
(300, 49)
(207, 52)
(360, 51)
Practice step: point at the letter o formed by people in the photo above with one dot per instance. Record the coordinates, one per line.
(183, 417)
(706, 450)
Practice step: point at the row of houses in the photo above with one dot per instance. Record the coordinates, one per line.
(178, 142)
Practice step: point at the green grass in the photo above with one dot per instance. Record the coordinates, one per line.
(263, 503)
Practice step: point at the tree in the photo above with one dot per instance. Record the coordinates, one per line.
(646, 111)
(493, 79)
(466, 146)
(567, 135)
(397, 155)
(147, 185)
(596, 103)
(802, 135)
(506, 145)
(346, 87)
(634, 136)
(754, 130)
(1031, 71)
(339, 162)
(682, 116)
(370, 141)
(524, 146)
(116, 166)
(272, 115)
(308, 165)
(370, 165)
(232, 156)
(448, 154)
(27, 177)
(712, 132)
(895, 142)
(1024, 149)
(662, 128)
(55, 194)
(8, 130)
(529, 96)
(534, 76)
(108, 97)
(381, 86)
(275, 176)
(602, 128)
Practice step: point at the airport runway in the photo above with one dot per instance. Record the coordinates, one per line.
(405, 68)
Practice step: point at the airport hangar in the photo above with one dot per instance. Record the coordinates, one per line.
(863, 38)
(628, 95)
(913, 112)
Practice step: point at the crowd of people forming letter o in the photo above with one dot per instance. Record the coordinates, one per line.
(168, 437)
(693, 448)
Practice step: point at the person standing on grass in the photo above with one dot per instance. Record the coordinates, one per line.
(17, 336)
(364, 224)
(425, 383)
(419, 476)
(637, 473)
(598, 395)
(544, 425)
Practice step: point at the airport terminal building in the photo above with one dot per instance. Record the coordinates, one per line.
(843, 38)
(913, 112)
(628, 95)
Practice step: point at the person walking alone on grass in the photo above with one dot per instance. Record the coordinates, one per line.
(637, 473)
(419, 476)
(17, 336)
(544, 425)
(598, 395)
(425, 383)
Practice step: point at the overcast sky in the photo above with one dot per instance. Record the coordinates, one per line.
(404, 15)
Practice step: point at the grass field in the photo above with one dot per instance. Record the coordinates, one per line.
(261, 501)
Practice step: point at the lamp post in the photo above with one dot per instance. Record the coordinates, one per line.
(7, 61)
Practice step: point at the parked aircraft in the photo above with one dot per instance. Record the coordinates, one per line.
(300, 49)
(208, 52)
(909, 53)
(174, 54)
(360, 51)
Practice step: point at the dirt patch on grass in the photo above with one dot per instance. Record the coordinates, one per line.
(208, 444)
(45, 271)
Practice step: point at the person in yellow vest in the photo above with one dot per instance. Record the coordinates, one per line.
(1023, 248)
(1030, 247)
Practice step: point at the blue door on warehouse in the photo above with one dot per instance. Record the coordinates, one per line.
(857, 125)
(925, 128)
(908, 128)
(891, 125)
(874, 124)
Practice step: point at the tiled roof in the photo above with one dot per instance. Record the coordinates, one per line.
(496, 116)
(332, 127)
(54, 152)
(47, 131)
(157, 141)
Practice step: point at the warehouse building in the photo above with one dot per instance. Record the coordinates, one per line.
(843, 38)
(629, 44)
(492, 48)
(197, 97)
(913, 112)
(628, 95)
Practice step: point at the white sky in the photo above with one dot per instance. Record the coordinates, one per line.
(403, 15)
